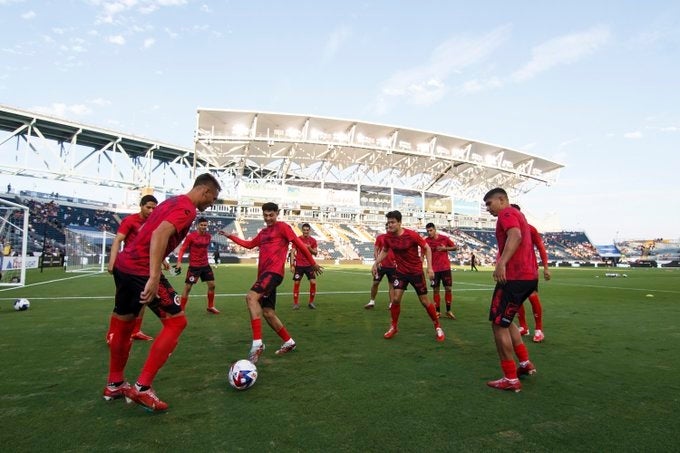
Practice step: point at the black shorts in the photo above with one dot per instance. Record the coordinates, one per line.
(385, 271)
(301, 271)
(417, 281)
(128, 289)
(266, 286)
(508, 298)
(442, 277)
(205, 273)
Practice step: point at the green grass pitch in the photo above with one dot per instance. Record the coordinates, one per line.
(608, 373)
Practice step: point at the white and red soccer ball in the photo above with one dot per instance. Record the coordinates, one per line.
(242, 374)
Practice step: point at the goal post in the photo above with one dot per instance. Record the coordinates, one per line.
(87, 249)
(13, 243)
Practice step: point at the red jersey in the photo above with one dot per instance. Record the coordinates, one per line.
(522, 264)
(198, 248)
(300, 259)
(130, 226)
(538, 242)
(273, 242)
(440, 259)
(180, 212)
(388, 262)
(406, 254)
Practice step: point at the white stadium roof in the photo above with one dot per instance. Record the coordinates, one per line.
(338, 153)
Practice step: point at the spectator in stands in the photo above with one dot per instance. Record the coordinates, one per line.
(407, 245)
(387, 267)
(533, 298)
(440, 246)
(473, 262)
(516, 278)
(300, 267)
(126, 233)
(197, 242)
(139, 281)
(273, 241)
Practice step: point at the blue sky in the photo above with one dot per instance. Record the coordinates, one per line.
(591, 84)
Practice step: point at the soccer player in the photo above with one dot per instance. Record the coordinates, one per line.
(516, 278)
(535, 301)
(273, 241)
(300, 266)
(473, 263)
(386, 268)
(127, 231)
(440, 246)
(198, 242)
(405, 244)
(139, 282)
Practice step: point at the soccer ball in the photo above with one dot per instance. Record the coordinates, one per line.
(21, 304)
(242, 374)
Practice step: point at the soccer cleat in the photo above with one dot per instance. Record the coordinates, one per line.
(440, 334)
(450, 315)
(139, 335)
(391, 332)
(286, 347)
(213, 310)
(512, 385)
(255, 352)
(147, 399)
(523, 331)
(311, 306)
(538, 336)
(369, 305)
(114, 392)
(526, 370)
(296, 306)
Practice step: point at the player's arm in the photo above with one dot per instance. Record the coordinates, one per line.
(159, 242)
(428, 256)
(514, 239)
(180, 255)
(378, 259)
(115, 248)
(538, 242)
(293, 252)
(242, 242)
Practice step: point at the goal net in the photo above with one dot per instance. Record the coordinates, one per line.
(87, 249)
(13, 243)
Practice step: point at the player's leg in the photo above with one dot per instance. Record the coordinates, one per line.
(211, 298)
(137, 333)
(184, 298)
(537, 310)
(312, 289)
(395, 306)
(448, 299)
(522, 320)
(297, 277)
(269, 313)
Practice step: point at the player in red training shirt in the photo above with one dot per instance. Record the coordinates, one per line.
(127, 231)
(273, 241)
(536, 307)
(387, 267)
(440, 246)
(405, 244)
(139, 282)
(516, 278)
(300, 266)
(198, 242)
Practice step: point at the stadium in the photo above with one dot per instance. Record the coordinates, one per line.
(351, 390)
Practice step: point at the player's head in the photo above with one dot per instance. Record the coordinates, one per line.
(306, 228)
(202, 225)
(393, 221)
(495, 200)
(146, 205)
(431, 230)
(270, 211)
(205, 191)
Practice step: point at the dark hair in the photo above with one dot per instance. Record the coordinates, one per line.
(396, 215)
(496, 191)
(516, 206)
(147, 198)
(429, 225)
(270, 206)
(201, 219)
(306, 225)
(206, 179)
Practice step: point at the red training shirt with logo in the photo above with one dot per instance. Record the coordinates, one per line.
(406, 253)
(522, 265)
(440, 259)
(300, 259)
(197, 244)
(389, 262)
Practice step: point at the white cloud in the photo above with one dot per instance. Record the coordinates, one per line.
(336, 39)
(633, 135)
(117, 39)
(563, 50)
(428, 83)
(148, 42)
(63, 110)
(101, 102)
(28, 15)
(205, 8)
